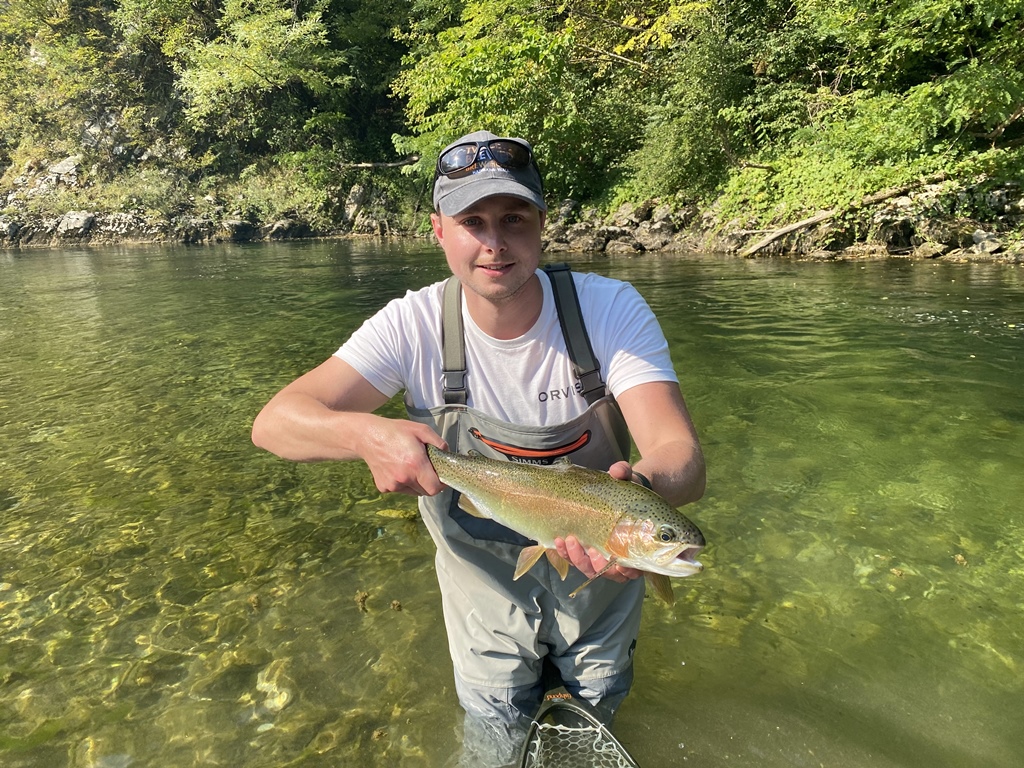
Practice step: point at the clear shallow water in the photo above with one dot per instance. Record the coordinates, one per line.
(170, 596)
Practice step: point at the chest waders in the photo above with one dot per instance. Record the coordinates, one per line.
(500, 630)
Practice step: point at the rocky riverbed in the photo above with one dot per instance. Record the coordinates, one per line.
(926, 223)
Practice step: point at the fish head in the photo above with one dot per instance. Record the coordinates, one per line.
(664, 541)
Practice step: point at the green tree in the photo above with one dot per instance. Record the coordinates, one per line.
(959, 65)
(562, 77)
(255, 85)
(55, 60)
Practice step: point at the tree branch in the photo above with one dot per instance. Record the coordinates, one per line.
(639, 65)
(603, 20)
(821, 216)
(408, 161)
(996, 132)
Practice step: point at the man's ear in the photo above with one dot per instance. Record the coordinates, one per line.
(435, 222)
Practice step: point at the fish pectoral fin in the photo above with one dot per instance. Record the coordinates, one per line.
(466, 505)
(559, 563)
(527, 559)
(661, 585)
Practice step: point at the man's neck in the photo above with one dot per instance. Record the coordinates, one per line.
(510, 317)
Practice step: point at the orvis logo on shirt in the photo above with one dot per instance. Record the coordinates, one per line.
(531, 455)
(560, 394)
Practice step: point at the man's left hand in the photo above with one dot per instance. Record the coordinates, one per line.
(590, 561)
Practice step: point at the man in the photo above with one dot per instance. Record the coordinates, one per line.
(485, 365)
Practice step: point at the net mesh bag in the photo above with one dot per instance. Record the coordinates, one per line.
(563, 746)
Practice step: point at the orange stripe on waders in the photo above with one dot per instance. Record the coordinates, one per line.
(530, 453)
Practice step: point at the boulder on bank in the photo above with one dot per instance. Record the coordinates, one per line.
(235, 231)
(75, 225)
(286, 229)
(124, 227)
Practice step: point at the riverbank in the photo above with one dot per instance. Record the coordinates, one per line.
(923, 222)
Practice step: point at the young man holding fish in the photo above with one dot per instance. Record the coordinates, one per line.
(505, 385)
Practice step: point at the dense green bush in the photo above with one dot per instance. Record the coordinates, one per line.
(769, 110)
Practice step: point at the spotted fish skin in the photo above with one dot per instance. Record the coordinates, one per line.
(630, 525)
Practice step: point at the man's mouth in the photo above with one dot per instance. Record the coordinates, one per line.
(496, 268)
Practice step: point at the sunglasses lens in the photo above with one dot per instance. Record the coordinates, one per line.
(510, 154)
(457, 158)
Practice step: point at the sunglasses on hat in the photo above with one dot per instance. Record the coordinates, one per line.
(464, 159)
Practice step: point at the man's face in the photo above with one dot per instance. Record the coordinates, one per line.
(493, 247)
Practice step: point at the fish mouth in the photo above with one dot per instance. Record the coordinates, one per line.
(679, 560)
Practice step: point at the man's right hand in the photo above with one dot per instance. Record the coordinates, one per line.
(327, 415)
(394, 450)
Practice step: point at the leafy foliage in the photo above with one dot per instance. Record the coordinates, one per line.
(513, 70)
(770, 109)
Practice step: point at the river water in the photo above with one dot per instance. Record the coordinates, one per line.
(171, 596)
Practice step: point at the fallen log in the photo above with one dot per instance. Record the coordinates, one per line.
(821, 216)
(408, 161)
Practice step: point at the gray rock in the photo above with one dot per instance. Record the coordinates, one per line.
(615, 232)
(9, 229)
(123, 226)
(236, 231)
(556, 246)
(931, 250)
(556, 231)
(623, 246)
(654, 236)
(75, 224)
(631, 214)
(286, 229)
(565, 214)
(997, 200)
(192, 229)
(67, 167)
(357, 197)
(663, 212)
(583, 238)
(990, 244)
(624, 216)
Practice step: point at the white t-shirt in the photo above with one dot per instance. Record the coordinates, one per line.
(528, 380)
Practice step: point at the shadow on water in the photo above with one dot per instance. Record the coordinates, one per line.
(171, 596)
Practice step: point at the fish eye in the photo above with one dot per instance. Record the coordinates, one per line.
(666, 534)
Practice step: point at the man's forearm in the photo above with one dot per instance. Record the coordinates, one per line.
(676, 472)
(300, 428)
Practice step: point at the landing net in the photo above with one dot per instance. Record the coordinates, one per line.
(563, 746)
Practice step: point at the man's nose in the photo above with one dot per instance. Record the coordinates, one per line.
(493, 237)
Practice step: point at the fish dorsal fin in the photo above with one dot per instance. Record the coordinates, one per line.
(559, 563)
(562, 461)
(466, 505)
(473, 453)
(527, 559)
(662, 586)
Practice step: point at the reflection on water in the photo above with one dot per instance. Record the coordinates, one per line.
(171, 596)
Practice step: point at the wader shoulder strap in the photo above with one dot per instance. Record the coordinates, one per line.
(567, 304)
(453, 344)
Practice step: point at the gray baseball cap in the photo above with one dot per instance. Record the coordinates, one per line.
(452, 196)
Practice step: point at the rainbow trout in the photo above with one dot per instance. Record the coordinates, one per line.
(627, 523)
